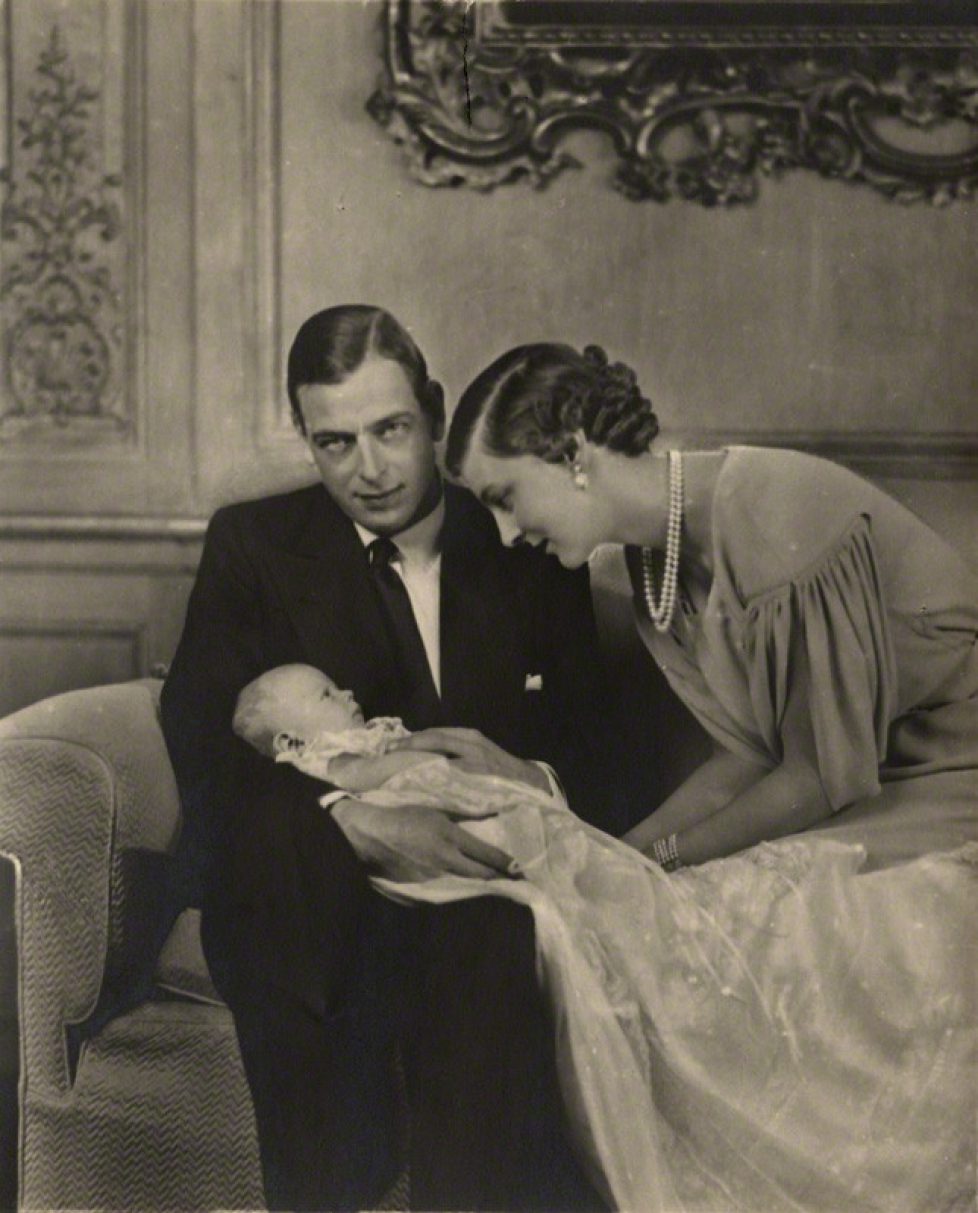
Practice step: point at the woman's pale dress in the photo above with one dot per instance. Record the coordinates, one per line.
(817, 573)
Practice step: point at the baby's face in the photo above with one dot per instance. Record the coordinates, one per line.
(305, 702)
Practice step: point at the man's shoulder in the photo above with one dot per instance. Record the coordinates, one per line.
(470, 528)
(467, 520)
(275, 505)
(275, 516)
(472, 536)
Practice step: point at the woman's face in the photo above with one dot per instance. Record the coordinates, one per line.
(536, 501)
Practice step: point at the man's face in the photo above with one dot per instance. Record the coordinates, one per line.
(373, 446)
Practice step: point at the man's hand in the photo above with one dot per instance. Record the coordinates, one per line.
(474, 752)
(415, 842)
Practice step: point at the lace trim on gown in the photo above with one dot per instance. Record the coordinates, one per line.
(370, 739)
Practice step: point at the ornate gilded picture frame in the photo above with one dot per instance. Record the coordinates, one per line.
(701, 100)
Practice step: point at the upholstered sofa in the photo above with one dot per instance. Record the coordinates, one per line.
(150, 1110)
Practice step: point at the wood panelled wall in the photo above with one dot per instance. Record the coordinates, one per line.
(140, 336)
(185, 180)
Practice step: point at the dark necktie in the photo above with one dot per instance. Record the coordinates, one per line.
(422, 706)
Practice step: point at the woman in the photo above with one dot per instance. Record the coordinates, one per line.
(793, 1027)
(823, 635)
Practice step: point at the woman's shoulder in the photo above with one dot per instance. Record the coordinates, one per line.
(788, 473)
(777, 513)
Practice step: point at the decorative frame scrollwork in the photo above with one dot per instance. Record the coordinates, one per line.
(695, 111)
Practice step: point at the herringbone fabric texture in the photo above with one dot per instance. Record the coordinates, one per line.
(159, 1118)
(157, 1115)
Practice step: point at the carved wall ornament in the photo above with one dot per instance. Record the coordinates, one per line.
(60, 307)
(481, 92)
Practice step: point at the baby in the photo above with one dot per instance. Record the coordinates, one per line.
(295, 714)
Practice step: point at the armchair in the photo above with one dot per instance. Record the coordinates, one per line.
(149, 1107)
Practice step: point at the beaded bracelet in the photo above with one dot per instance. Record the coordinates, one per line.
(666, 854)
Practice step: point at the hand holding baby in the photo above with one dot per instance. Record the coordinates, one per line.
(295, 711)
(472, 751)
(418, 842)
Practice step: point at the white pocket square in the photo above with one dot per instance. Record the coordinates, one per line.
(534, 682)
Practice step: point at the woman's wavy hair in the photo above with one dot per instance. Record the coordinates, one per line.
(534, 400)
(333, 343)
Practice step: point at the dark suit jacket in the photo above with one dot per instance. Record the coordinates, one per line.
(286, 579)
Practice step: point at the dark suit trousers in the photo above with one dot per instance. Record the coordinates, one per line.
(488, 1129)
(453, 989)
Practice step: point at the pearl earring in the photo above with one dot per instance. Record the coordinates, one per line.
(580, 476)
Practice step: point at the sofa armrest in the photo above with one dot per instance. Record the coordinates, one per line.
(85, 786)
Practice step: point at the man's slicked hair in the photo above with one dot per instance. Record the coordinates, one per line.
(335, 342)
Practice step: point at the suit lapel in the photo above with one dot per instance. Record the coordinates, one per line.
(323, 574)
(478, 632)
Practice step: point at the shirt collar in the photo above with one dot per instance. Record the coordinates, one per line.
(419, 542)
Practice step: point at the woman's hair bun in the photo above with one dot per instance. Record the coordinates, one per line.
(613, 410)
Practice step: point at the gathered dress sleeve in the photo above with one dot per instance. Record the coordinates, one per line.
(831, 618)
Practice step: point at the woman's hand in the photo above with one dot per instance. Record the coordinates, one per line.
(474, 752)
(416, 842)
(747, 805)
(711, 787)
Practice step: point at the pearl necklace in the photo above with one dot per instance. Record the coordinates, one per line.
(661, 612)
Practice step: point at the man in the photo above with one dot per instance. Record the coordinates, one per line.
(490, 649)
